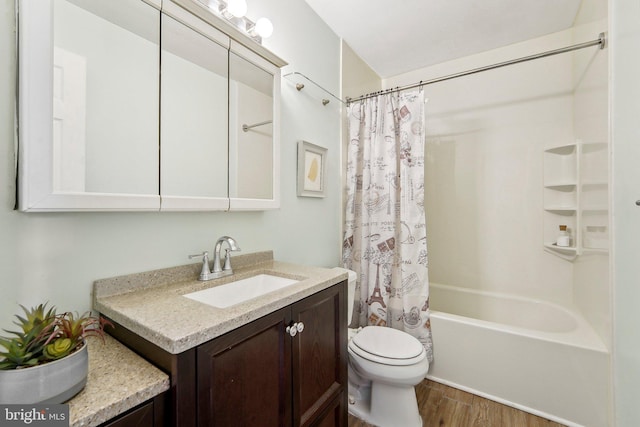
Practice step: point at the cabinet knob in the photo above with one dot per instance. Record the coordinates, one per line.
(637, 202)
(293, 329)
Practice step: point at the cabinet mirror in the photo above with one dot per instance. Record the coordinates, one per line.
(194, 118)
(253, 131)
(88, 104)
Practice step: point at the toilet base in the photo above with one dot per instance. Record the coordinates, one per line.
(385, 405)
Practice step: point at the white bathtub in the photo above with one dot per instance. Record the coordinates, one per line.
(532, 355)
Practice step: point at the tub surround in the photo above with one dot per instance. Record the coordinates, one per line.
(152, 305)
(118, 381)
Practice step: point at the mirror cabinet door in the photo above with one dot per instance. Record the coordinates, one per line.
(194, 116)
(88, 105)
(253, 131)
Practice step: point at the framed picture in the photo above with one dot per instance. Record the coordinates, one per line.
(312, 167)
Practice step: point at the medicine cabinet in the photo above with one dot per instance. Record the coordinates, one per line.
(132, 105)
(576, 195)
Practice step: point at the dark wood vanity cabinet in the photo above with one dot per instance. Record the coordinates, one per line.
(147, 414)
(259, 375)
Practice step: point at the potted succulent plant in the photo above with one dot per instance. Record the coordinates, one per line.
(46, 361)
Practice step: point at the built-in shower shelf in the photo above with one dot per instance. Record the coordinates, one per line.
(561, 186)
(566, 149)
(564, 252)
(567, 210)
(576, 195)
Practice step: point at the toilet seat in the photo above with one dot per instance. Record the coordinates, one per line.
(387, 346)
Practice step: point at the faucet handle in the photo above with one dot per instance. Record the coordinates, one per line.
(227, 260)
(205, 273)
(203, 254)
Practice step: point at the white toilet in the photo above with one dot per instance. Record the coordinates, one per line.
(384, 366)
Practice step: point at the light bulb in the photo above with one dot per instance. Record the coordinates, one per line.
(237, 8)
(264, 28)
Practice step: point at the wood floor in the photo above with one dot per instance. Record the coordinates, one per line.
(442, 406)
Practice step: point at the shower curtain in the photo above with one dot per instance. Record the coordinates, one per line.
(385, 232)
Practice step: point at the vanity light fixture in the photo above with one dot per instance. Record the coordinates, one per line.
(262, 28)
(237, 8)
(234, 11)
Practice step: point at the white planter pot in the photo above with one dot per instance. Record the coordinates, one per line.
(53, 382)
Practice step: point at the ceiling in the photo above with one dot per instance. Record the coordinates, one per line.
(394, 37)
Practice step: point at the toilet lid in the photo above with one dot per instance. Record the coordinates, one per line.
(394, 346)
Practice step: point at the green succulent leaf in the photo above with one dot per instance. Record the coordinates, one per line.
(36, 318)
(58, 349)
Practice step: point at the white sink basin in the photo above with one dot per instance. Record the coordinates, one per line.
(233, 293)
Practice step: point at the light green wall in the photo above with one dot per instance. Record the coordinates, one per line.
(56, 256)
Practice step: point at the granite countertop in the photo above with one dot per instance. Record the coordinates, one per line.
(151, 304)
(118, 380)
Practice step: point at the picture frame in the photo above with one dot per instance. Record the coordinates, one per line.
(312, 166)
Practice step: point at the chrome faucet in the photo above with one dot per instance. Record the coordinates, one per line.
(206, 273)
(233, 246)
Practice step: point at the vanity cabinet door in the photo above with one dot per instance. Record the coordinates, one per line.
(244, 377)
(335, 415)
(320, 359)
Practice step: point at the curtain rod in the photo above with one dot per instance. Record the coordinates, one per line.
(600, 41)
